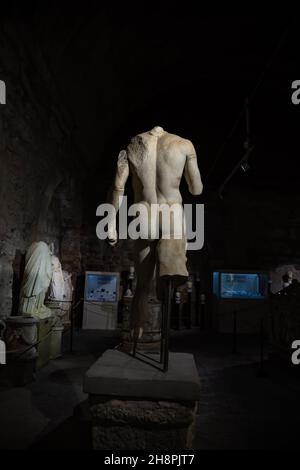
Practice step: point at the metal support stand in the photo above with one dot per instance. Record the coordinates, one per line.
(177, 314)
(261, 371)
(234, 334)
(166, 327)
(189, 312)
(71, 329)
(203, 312)
(165, 334)
(198, 303)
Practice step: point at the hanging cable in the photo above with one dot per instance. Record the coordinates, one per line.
(251, 97)
(243, 163)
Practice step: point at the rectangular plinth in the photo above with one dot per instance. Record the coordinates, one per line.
(134, 406)
(117, 374)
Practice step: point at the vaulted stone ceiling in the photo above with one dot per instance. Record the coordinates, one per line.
(123, 69)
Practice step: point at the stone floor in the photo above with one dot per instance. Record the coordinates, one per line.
(238, 409)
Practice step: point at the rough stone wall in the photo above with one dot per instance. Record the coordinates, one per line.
(97, 255)
(37, 184)
(254, 229)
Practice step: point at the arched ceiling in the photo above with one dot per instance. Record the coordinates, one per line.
(123, 69)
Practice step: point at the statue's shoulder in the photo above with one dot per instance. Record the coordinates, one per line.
(137, 140)
(178, 141)
(177, 137)
(137, 150)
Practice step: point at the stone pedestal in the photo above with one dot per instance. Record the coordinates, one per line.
(20, 336)
(135, 406)
(56, 342)
(60, 311)
(44, 340)
(20, 333)
(150, 341)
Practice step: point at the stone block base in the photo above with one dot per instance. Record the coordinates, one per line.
(134, 406)
(150, 425)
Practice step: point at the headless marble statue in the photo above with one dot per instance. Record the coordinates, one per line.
(156, 160)
(36, 280)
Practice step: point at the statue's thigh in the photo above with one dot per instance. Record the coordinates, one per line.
(145, 259)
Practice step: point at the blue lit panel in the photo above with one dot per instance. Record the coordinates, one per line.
(101, 288)
(242, 286)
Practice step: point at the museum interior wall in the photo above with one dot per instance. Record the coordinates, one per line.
(57, 164)
(82, 81)
(40, 192)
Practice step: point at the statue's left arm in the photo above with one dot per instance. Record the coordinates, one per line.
(191, 170)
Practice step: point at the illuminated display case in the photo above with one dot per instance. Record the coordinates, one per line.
(101, 296)
(101, 287)
(232, 285)
(240, 293)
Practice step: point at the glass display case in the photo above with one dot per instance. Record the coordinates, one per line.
(234, 285)
(101, 287)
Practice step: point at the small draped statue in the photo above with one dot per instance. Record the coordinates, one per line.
(36, 281)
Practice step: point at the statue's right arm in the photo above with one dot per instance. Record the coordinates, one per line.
(117, 193)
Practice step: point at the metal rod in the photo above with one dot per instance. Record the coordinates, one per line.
(235, 169)
(167, 326)
(262, 342)
(198, 303)
(71, 329)
(140, 357)
(134, 346)
(147, 357)
(247, 111)
(189, 319)
(234, 333)
(202, 314)
(161, 358)
(261, 371)
(165, 332)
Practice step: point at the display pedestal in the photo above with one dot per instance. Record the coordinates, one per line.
(61, 310)
(44, 341)
(20, 336)
(134, 406)
(56, 342)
